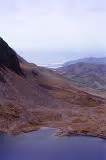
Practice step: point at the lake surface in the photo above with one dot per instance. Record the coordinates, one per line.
(43, 145)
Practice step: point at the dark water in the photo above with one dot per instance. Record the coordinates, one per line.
(43, 145)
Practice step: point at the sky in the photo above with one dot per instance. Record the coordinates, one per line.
(54, 31)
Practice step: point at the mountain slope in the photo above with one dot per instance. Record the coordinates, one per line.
(87, 75)
(41, 97)
(8, 57)
(90, 60)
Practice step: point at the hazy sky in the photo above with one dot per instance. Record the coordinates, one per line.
(53, 31)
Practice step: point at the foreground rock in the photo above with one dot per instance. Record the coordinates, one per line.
(91, 122)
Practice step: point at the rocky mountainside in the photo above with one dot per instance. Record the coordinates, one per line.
(32, 96)
(8, 58)
(86, 74)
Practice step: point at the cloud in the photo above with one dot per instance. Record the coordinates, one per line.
(54, 25)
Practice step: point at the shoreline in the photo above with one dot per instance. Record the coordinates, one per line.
(60, 132)
(70, 134)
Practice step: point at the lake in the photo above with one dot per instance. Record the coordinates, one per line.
(44, 145)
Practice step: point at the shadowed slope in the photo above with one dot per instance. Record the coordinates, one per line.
(8, 57)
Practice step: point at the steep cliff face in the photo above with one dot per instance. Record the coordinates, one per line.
(8, 58)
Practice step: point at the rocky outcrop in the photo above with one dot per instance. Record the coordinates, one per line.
(8, 58)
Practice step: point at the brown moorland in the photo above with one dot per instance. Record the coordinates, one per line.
(32, 97)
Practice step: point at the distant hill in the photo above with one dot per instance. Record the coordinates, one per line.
(91, 75)
(91, 60)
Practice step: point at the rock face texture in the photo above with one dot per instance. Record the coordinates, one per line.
(44, 98)
(8, 58)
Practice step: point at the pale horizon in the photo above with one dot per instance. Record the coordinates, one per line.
(54, 31)
(45, 59)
